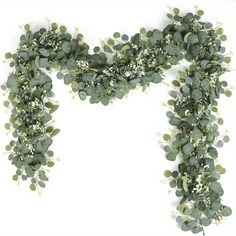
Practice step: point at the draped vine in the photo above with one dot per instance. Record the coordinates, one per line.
(120, 64)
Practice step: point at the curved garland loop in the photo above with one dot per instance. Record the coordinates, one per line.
(118, 66)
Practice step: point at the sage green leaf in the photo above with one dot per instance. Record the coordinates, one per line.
(179, 220)
(167, 173)
(197, 133)
(166, 137)
(41, 184)
(32, 187)
(82, 95)
(68, 79)
(66, 47)
(46, 117)
(44, 52)
(226, 139)
(173, 183)
(36, 61)
(177, 37)
(156, 78)
(197, 94)
(216, 187)
(71, 64)
(185, 183)
(53, 109)
(50, 164)
(174, 121)
(192, 224)
(49, 105)
(43, 62)
(55, 132)
(205, 84)
(47, 86)
(192, 39)
(206, 221)
(220, 143)
(60, 75)
(43, 177)
(75, 86)
(188, 148)
(171, 156)
(196, 213)
(196, 230)
(105, 100)
(185, 227)
(226, 211)
(213, 152)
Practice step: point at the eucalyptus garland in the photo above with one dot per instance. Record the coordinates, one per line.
(119, 65)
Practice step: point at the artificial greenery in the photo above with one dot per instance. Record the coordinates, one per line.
(119, 65)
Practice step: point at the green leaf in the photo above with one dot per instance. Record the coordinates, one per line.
(200, 12)
(32, 187)
(228, 93)
(55, 132)
(41, 184)
(179, 220)
(196, 213)
(185, 183)
(47, 86)
(220, 143)
(212, 152)
(206, 221)
(68, 79)
(15, 177)
(188, 148)
(6, 104)
(205, 84)
(175, 121)
(116, 35)
(192, 39)
(177, 37)
(220, 121)
(216, 187)
(125, 37)
(185, 227)
(82, 95)
(8, 55)
(44, 52)
(50, 164)
(156, 78)
(226, 211)
(166, 137)
(60, 75)
(43, 177)
(49, 104)
(226, 138)
(196, 230)
(43, 62)
(66, 47)
(167, 173)
(192, 224)
(173, 183)
(53, 109)
(75, 86)
(171, 156)
(197, 94)
(8, 148)
(197, 133)
(105, 100)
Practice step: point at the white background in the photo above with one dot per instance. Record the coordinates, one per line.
(109, 180)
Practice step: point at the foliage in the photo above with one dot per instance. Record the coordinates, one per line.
(119, 65)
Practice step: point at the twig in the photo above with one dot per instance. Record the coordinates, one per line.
(203, 232)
